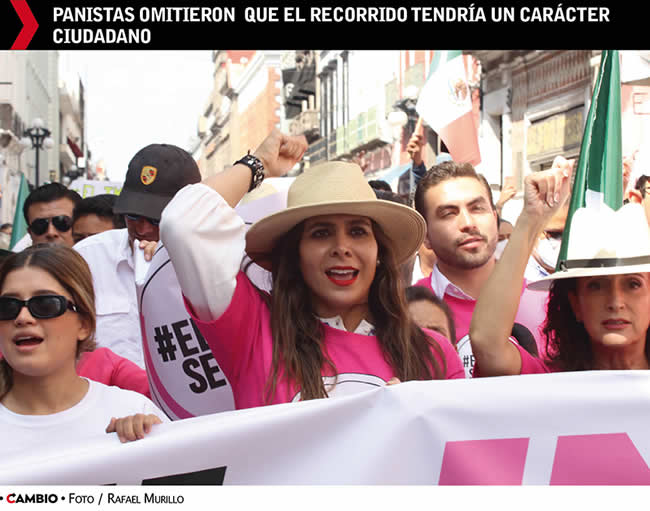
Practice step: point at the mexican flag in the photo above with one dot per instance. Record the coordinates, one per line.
(19, 229)
(445, 103)
(599, 175)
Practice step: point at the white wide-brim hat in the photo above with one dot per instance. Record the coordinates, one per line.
(604, 242)
(336, 188)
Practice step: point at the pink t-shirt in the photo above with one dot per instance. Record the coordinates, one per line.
(529, 364)
(106, 367)
(531, 312)
(241, 342)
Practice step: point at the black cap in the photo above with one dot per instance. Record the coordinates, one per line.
(155, 174)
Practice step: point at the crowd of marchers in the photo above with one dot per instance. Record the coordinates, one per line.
(373, 284)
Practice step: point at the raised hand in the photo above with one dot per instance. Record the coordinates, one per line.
(508, 191)
(414, 148)
(545, 192)
(280, 152)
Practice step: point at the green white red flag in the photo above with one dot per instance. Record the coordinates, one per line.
(445, 103)
(19, 229)
(599, 174)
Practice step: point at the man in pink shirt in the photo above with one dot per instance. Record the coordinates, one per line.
(457, 204)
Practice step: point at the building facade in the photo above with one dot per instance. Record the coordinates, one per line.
(74, 155)
(28, 90)
(534, 106)
(351, 104)
(529, 106)
(245, 105)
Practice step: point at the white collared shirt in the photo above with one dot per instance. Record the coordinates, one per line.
(441, 285)
(364, 328)
(110, 259)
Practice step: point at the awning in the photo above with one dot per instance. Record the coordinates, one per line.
(391, 174)
(75, 148)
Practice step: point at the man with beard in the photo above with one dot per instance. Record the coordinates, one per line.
(457, 204)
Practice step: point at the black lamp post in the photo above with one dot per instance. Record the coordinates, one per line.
(38, 137)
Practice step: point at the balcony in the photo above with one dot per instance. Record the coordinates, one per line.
(317, 152)
(360, 133)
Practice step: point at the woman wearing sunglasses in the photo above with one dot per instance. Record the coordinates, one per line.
(336, 321)
(47, 319)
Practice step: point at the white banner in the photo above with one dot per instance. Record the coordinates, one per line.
(90, 188)
(572, 428)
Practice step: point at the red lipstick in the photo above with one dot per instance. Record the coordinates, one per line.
(342, 275)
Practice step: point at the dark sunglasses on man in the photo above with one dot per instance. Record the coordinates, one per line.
(135, 218)
(61, 223)
(41, 306)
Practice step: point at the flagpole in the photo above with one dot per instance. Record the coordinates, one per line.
(416, 131)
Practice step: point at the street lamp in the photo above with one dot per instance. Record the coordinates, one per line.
(396, 119)
(38, 137)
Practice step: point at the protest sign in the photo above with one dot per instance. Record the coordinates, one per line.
(560, 429)
(90, 188)
(184, 378)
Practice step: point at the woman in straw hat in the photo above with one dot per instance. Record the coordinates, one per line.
(599, 301)
(336, 317)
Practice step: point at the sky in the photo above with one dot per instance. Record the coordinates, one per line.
(136, 98)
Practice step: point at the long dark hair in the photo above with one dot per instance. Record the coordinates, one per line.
(568, 344)
(298, 353)
(72, 272)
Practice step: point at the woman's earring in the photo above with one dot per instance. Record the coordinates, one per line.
(377, 262)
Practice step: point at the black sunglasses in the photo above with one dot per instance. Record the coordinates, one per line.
(135, 218)
(62, 223)
(41, 307)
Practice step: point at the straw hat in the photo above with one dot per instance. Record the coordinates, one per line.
(336, 188)
(604, 242)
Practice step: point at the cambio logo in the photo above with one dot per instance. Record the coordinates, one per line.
(35, 498)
